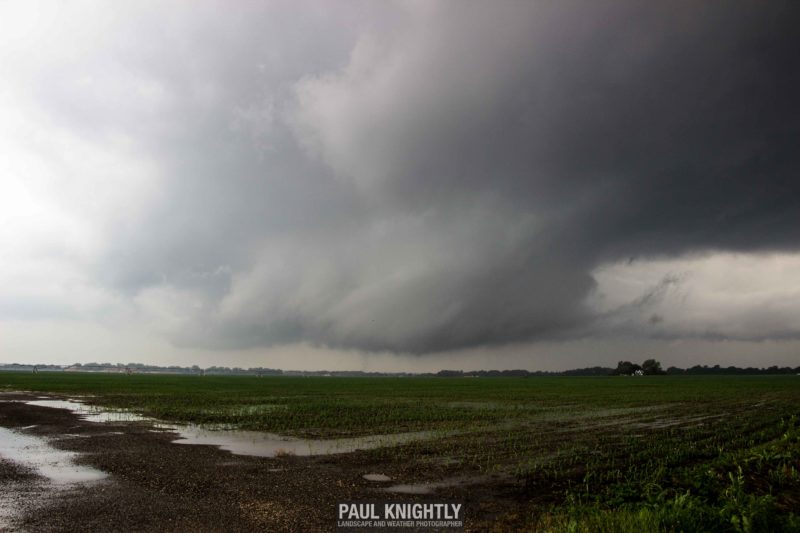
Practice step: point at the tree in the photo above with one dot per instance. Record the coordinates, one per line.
(651, 367)
(626, 368)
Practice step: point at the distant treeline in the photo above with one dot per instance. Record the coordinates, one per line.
(732, 370)
(649, 367)
(139, 368)
(590, 371)
(625, 368)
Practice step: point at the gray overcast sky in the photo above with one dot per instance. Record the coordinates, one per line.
(400, 185)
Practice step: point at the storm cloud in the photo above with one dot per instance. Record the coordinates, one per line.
(409, 177)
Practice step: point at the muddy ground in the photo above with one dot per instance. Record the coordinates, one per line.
(156, 485)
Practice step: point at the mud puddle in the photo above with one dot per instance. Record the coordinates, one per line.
(271, 445)
(376, 477)
(36, 454)
(239, 442)
(90, 413)
(56, 471)
(429, 487)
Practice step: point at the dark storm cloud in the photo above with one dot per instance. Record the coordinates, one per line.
(430, 176)
(665, 127)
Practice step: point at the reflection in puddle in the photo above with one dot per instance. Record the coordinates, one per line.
(414, 488)
(90, 413)
(32, 452)
(253, 443)
(272, 445)
(431, 486)
(376, 477)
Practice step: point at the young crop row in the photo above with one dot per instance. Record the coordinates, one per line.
(744, 478)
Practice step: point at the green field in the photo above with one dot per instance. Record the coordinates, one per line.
(658, 453)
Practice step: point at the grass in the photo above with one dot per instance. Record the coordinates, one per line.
(661, 453)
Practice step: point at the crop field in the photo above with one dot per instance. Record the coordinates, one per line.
(656, 453)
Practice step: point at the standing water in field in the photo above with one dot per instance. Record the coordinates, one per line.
(90, 413)
(57, 466)
(272, 445)
(254, 443)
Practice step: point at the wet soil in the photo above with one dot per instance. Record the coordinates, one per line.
(154, 484)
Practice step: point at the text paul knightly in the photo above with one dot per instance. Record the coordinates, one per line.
(399, 515)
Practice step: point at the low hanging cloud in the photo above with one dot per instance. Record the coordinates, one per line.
(417, 176)
(724, 296)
